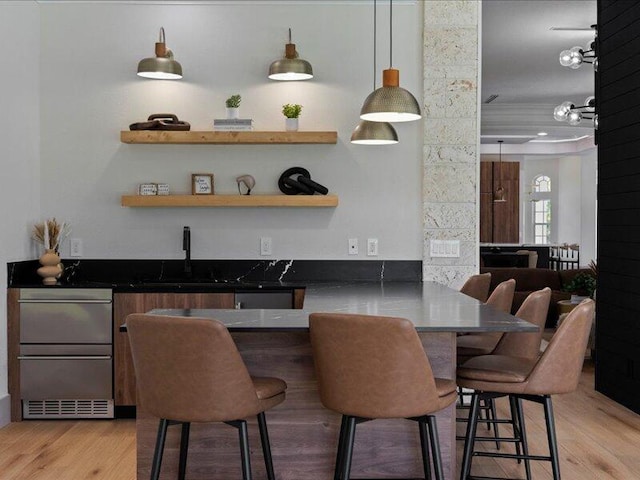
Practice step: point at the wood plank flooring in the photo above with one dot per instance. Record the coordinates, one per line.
(598, 441)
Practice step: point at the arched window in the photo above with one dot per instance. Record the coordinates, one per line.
(541, 198)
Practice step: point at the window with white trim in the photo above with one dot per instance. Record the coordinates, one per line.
(541, 197)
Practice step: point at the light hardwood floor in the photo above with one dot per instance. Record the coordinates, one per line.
(598, 440)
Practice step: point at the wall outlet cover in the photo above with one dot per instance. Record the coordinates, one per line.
(265, 246)
(353, 246)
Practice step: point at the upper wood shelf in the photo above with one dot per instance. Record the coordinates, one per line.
(227, 138)
(229, 201)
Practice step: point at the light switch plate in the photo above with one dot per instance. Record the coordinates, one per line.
(75, 247)
(372, 247)
(444, 248)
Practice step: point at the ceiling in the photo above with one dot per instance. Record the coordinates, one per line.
(520, 65)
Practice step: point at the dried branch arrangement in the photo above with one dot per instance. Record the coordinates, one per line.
(50, 233)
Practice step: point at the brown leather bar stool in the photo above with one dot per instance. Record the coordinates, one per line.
(372, 367)
(477, 286)
(556, 371)
(189, 370)
(525, 345)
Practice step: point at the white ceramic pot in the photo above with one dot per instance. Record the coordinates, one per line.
(291, 124)
(233, 113)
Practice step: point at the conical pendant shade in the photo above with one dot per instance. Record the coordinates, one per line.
(290, 68)
(390, 103)
(374, 133)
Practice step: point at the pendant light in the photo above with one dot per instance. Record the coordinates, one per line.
(498, 195)
(290, 68)
(162, 66)
(374, 133)
(390, 103)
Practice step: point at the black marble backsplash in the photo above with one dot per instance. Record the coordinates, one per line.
(83, 272)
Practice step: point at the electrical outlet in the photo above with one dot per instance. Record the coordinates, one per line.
(265, 246)
(75, 247)
(372, 247)
(353, 246)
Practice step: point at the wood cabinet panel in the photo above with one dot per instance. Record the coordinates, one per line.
(126, 303)
(500, 221)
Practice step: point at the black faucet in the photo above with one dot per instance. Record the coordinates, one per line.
(186, 246)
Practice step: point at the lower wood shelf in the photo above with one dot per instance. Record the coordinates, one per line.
(229, 200)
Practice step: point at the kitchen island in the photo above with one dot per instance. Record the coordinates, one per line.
(303, 433)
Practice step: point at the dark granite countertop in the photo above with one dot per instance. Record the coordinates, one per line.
(430, 306)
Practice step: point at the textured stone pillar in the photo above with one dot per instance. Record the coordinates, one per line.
(451, 136)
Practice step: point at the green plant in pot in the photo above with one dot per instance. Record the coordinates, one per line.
(583, 284)
(233, 106)
(292, 112)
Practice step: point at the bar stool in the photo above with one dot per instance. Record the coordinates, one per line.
(477, 286)
(372, 367)
(189, 370)
(556, 371)
(484, 343)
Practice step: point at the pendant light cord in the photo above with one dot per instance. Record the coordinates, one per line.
(375, 23)
(390, 33)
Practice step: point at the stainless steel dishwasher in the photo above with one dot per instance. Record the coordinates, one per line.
(66, 351)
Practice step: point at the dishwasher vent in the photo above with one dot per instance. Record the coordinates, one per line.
(35, 409)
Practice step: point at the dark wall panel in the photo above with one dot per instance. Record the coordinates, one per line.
(618, 295)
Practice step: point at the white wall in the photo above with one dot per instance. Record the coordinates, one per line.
(569, 190)
(89, 92)
(588, 204)
(19, 134)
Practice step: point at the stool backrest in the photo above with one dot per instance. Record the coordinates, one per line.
(370, 366)
(527, 345)
(502, 296)
(189, 369)
(559, 367)
(477, 286)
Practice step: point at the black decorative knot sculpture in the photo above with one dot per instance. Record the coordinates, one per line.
(297, 181)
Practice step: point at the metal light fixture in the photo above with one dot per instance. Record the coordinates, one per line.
(576, 56)
(162, 66)
(374, 133)
(573, 115)
(498, 195)
(390, 103)
(290, 68)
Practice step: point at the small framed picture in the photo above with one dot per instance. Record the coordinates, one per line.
(202, 183)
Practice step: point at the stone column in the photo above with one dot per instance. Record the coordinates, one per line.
(451, 136)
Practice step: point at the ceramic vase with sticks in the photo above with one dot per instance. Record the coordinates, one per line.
(51, 234)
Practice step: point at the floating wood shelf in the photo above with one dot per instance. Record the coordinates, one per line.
(227, 138)
(229, 201)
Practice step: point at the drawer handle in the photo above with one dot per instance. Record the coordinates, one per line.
(66, 357)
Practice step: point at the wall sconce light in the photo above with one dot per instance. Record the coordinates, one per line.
(290, 68)
(498, 195)
(162, 66)
(390, 103)
(374, 133)
(573, 115)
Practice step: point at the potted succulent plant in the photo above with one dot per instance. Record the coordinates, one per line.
(291, 112)
(233, 106)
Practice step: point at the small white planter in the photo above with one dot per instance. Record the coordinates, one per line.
(233, 113)
(291, 124)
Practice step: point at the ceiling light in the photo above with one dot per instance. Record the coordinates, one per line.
(374, 133)
(390, 103)
(498, 195)
(290, 68)
(162, 66)
(542, 134)
(573, 115)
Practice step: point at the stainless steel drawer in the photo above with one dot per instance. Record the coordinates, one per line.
(60, 322)
(66, 377)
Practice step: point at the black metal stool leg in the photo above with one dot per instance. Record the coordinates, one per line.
(348, 447)
(337, 473)
(244, 449)
(424, 445)
(435, 447)
(523, 436)
(493, 416)
(184, 448)
(515, 422)
(157, 454)
(266, 446)
(470, 436)
(551, 436)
